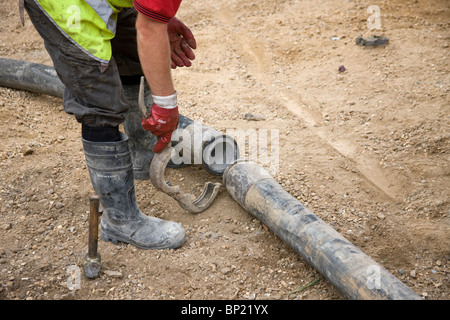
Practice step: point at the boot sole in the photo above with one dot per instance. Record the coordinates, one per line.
(115, 239)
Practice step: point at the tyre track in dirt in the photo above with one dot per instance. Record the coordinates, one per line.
(366, 165)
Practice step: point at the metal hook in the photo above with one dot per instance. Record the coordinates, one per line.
(141, 104)
(158, 167)
(157, 170)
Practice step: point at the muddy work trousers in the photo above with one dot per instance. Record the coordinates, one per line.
(93, 91)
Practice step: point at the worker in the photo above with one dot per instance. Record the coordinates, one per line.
(100, 49)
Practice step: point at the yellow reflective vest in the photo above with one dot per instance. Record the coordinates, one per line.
(89, 24)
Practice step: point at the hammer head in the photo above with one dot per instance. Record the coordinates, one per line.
(92, 266)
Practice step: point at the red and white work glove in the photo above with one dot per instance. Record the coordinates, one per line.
(163, 120)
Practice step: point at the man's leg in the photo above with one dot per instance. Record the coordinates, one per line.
(95, 97)
(124, 48)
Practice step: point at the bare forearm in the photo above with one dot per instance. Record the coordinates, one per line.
(154, 54)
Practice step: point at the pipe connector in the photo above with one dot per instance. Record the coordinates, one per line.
(196, 143)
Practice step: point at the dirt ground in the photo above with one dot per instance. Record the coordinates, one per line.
(366, 149)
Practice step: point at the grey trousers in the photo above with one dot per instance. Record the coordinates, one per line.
(93, 93)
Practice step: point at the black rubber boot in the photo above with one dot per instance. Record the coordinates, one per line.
(111, 173)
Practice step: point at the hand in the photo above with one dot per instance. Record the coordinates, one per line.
(182, 42)
(162, 123)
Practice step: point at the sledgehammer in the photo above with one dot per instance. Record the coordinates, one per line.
(92, 260)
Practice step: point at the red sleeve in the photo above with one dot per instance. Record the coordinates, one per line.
(158, 10)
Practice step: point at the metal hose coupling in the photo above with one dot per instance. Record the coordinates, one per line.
(196, 143)
(185, 200)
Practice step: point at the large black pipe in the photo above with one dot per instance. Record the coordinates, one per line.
(28, 76)
(206, 146)
(343, 264)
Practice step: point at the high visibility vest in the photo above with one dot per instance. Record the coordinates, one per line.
(89, 24)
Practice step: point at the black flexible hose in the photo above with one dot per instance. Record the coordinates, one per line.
(29, 76)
